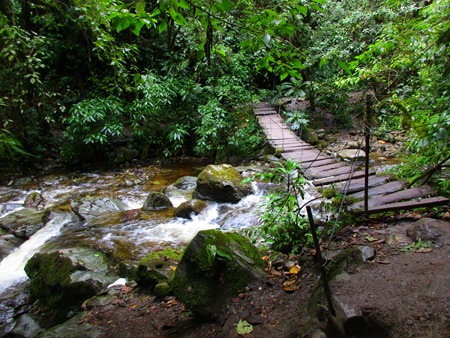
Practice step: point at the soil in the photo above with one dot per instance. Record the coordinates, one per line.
(403, 291)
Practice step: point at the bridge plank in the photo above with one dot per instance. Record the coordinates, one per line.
(423, 203)
(329, 173)
(398, 196)
(339, 178)
(381, 190)
(357, 184)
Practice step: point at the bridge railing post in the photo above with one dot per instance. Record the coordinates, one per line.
(367, 150)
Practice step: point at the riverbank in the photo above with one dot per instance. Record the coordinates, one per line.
(401, 289)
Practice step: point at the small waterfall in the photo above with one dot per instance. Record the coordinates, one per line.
(12, 266)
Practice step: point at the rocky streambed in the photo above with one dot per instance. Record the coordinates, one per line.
(79, 232)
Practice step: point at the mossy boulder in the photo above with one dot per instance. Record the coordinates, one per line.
(63, 279)
(214, 268)
(189, 208)
(221, 183)
(155, 269)
(156, 201)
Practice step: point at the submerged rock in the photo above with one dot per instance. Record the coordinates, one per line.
(221, 183)
(214, 268)
(156, 201)
(63, 279)
(189, 208)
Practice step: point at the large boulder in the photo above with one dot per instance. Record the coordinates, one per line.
(214, 268)
(23, 223)
(221, 183)
(63, 279)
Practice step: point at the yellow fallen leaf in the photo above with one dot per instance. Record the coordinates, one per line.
(295, 269)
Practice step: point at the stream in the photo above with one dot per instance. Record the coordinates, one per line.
(126, 236)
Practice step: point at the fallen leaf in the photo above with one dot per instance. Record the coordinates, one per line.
(295, 269)
(291, 285)
(370, 238)
(424, 250)
(244, 327)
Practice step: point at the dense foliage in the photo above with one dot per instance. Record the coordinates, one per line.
(82, 77)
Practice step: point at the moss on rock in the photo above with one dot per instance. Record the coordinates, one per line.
(65, 278)
(214, 268)
(221, 183)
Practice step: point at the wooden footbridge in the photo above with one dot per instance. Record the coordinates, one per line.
(383, 193)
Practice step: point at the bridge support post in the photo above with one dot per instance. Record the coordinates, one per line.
(367, 144)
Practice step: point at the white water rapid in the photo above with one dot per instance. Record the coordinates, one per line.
(12, 266)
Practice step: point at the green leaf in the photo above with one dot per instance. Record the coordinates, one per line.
(303, 10)
(284, 75)
(140, 9)
(344, 67)
(162, 26)
(225, 5)
(323, 62)
(136, 28)
(244, 327)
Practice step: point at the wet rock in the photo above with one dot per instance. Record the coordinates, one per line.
(214, 268)
(35, 200)
(89, 208)
(23, 223)
(156, 201)
(75, 327)
(63, 279)
(8, 243)
(23, 181)
(26, 326)
(424, 229)
(221, 183)
(189, 208)
(182, 189)
(352, 154)
(186, 183)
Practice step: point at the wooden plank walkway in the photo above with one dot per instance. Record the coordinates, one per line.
(385, 194)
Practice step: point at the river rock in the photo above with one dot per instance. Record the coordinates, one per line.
(221, 183)
(27, 327)
(156, 201)
(8, 243)
(23, 223)
(425, 229)
(352, 154)
(214, 268)
(75, 327)
(63, 279)
(89, 208)
(189, 208)
(35, 200)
